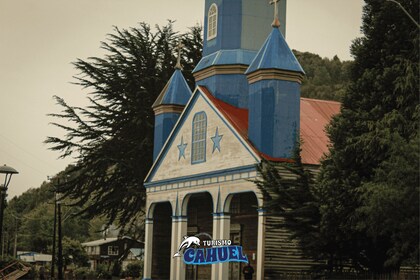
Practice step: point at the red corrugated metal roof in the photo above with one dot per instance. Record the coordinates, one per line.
(314, 116)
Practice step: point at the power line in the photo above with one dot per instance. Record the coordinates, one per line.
(26, 151)
(406, 12)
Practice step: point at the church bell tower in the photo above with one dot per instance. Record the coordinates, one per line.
(234, 31)
(274, 77)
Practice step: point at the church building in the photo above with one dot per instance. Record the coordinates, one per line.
(246, 107)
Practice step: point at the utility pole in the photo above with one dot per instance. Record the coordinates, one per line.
(53, 259)
(54, 238)
(16, 233)
(8, 171)
(60, 244)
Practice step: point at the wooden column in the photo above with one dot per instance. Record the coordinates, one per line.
(178, 262)
(148, 245)
(261, 243)
(174, 246)
(221, 230)
(224, 222)
(216, 234)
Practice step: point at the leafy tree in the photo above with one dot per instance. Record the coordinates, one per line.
(378, 121)
(390, 202)
(134, 269)
(102, 271)
(73, 253)
(84, 273)
(36, 230)
(112, 138)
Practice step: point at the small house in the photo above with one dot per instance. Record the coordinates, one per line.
(108, 250)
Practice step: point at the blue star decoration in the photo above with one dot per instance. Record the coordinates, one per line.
(181, 148)
(216, 140)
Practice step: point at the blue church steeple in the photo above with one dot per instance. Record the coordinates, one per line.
(274, 78)
(234, 30)
(169, 106)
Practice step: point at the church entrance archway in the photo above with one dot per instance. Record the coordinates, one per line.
(243, 229)
(161, 252)
(199, 209)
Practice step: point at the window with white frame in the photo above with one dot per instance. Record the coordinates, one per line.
(112, 250)
(212, 22)
(199, 131)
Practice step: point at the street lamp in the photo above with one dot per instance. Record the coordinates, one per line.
(8, 171)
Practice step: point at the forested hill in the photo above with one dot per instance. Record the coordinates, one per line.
(325, 78)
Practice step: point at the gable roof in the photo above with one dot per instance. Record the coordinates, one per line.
(315, 115)
(234, 123)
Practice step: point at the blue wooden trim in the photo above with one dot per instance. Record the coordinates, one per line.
(205, 175)
(179, 218)
(221, 214)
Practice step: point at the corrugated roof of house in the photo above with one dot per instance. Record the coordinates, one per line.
(100, 241)
(105, 241)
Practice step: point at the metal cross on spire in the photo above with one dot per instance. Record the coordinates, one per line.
(276, 22)
(178, 62)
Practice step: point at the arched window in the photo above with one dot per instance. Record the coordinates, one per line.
(212, 22)
(199, 131)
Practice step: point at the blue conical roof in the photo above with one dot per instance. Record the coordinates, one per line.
(175, 92)
(275, 54)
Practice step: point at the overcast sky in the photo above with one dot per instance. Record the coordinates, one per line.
(40, 38)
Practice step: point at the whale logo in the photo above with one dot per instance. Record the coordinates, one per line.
(187, 243)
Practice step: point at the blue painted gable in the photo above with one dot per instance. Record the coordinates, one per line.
(225, 148)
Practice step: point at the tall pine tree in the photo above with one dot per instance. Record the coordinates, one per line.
(112, 138)
(380, 111)
(288, 194)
